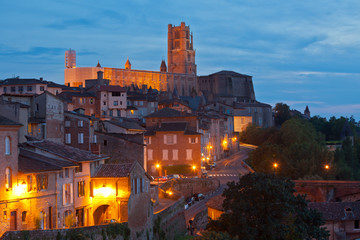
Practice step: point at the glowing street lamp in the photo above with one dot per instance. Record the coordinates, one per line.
(327, 167)
(275, 165)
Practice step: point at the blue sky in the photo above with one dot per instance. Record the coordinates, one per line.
(298, 52)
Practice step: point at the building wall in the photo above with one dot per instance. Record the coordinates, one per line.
(191, 120)
(157, 146)
(241, 123)
(75, 129)
(18, 114)
(54, 119)
(75, 77)
(120, 150)
(87, 103)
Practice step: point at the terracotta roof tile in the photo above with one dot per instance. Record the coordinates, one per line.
(64, 151)
(113, 170)
(337, 211)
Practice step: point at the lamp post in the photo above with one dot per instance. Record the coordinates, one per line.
(275, 165)
(193, 168)
(327, 169)
(159, 169)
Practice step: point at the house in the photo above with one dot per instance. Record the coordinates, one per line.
(121, 192)
(80, 130)
(122, 125)
(173, 142)
(111, 101)
(48, 118)
(342, 219)
(78, 191)
(122, 148)
(76, 100)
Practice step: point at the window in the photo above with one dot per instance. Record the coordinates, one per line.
(81, 188)
(110, 113)
(115, 94)
(41, 88)
(67, 193)
(120, 102)
(148, 140)
(8, 180)
(105, 142)
(5, 89)
(79, 168)
(66, 172)
(61, 174)
(193, 140)
(175, 154)
(68, 138)
(80, 123)
(20, 88)
(116, 103)
(29, 88)
(67, 123)
(7, 146)
(141, 103)
(12, 89)
(150, 154)
(165, 154)
(23, 216)
(118, 113)
(82, 100)
(29, 183)
(104, 103)
(42, 181)
(91, 101)
(94, 139)
(80, 138)
(188, 154)
(170, 139)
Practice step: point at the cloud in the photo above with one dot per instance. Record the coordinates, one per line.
(81, 22)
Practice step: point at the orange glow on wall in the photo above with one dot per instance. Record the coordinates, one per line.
(20, 189)
(105, 192)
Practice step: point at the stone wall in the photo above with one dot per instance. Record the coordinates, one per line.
(118, 231)
(171, 222)
(189, 186)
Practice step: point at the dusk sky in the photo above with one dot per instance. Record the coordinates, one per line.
(298, 52)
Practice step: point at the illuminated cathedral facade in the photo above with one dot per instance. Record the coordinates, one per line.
(180, 73)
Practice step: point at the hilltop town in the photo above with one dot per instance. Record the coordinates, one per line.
(137, 148)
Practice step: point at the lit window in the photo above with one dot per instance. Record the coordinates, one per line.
(8, 182)
(81, 188)
(7, 146)
(42, 181)
(132, 112)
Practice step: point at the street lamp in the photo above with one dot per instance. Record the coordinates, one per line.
(158, 168)
(327, 167)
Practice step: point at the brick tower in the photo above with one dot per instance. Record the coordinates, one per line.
(181, 54)
(70, 58)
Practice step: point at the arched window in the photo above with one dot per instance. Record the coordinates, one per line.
(8, 183)
(7, 145)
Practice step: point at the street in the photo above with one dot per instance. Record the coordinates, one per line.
(226, 170)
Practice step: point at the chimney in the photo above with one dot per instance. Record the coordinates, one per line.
(41, 78)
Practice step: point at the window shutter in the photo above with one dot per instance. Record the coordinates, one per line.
(63, 191)
(175, 138)
(196, 140)
(91, 189)
(71, 193)
(137, 185)
(189, 140)
(164, 138)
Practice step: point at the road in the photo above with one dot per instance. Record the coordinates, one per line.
(226, 170)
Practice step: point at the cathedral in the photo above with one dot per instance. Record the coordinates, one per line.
(180, 73)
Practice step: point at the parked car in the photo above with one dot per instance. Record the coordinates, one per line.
(189, 201)
(171, 176)
(198, 196)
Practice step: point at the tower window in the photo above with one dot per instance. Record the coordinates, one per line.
(177, 44)
(8, 182)
(7, 146)
(177, 34)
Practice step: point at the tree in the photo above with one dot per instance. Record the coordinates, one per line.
(264, 207)
(282, 113)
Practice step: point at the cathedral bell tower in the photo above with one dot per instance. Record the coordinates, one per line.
(181, 53)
